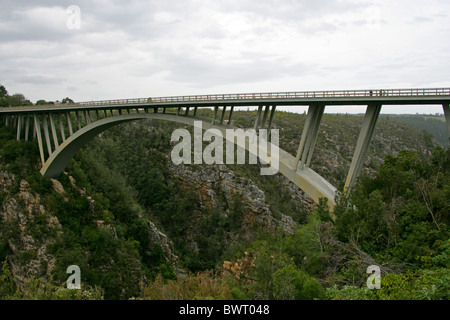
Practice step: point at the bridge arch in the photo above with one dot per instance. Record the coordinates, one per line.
(309, 181)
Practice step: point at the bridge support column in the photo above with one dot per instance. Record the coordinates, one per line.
(195, 111)
(272, 113)
(231, 113)
(309, 136)
(362, 146)
(37, 127)
(266, 113)
(78, 120)
(69, 123)
(258, 116)
(19, 127)
(61, 127)
(215, 115)
(53, 128)
(47, 135)
(27, 127)
(446, 107)
(223, 115)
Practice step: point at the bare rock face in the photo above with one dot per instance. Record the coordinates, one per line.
(33, 225)
(215, 185)
(159, 238)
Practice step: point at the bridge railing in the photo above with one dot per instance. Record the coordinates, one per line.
(279, 95)
(265, 96)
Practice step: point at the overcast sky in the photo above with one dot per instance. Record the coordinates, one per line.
(133, 49)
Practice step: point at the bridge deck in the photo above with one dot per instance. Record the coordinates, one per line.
(341, 97)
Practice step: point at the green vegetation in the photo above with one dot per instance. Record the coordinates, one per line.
(435, 126)
(120, 187)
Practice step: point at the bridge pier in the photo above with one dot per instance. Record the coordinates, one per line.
(231, 112)
(27, 127)
(446, 108)
(61, 127)
(272, 113)
(258, 116)
(215, 115)
(37, 126)
(46, 134)
(223, 115)
(69, 123)
(309, 136)
(19, 127)
(53, 129)
(362, 145)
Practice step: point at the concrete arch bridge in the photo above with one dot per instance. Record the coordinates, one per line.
(61, 130)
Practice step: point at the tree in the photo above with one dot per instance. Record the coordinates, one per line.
(18, 99)
(67, 101)
(3, 92)
(43, 102)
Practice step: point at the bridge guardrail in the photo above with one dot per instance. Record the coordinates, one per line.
(368, 93)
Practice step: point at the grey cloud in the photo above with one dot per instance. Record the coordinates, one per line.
(200, 72)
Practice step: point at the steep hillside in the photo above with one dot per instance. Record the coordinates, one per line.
(126, 214)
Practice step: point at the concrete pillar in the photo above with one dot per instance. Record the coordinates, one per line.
(231, 113)
(61, 127)
(34, 129)
(87, 116)
(186, 113)
(27, 127)
(315, 134)
(69, 123)
(78, 120)
(215, 115)
(309, 135)
(266, 113)
(195, 111)
(223, 115)
(19, 127)
(272, 113)
(53, 128)
(362, 146)
(446, 107)
(258, 116)
(37, 127)
(46, 134)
